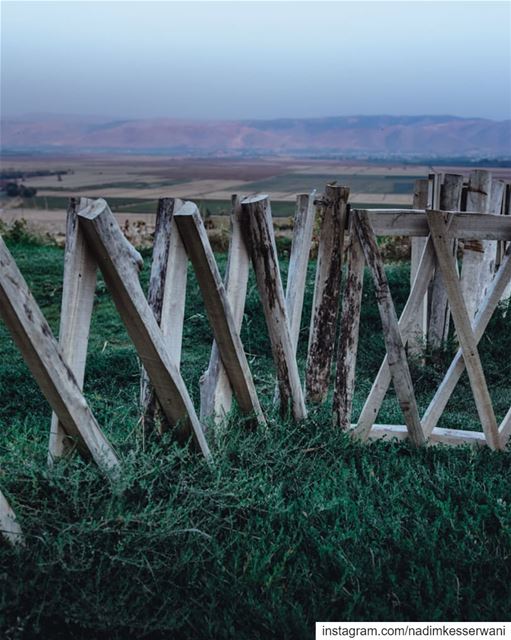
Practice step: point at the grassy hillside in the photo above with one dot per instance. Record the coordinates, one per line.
(292, 524)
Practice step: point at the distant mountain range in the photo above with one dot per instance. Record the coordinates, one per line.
(348, 136)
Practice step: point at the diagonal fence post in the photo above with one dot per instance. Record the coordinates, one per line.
(120, 264)
(44, 358)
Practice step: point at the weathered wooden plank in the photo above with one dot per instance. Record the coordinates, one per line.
(467, 340)
(438, 330)
(45, 360)
(257, 229)
(303, 226)
(348, 338)
(419, 330)
(397, 361)
(506, 294)
(504, 210)
(298, 262)
(9, 526)
(120, 266)
(505, 429)
(470, 226)
(78, 290)
(160, 288)
(406, 326)
(439, 436)
(439, 402)
(478, 199)
(195, 239)
(327, 288)
(489, 265)
(174, 295)
(215, 388)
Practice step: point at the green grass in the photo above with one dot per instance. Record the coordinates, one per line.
(290, 525)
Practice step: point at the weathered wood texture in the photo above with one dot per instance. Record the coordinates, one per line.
(504, 210)
(506, 294)
(195, 239)
(397, 361)
(9, 526)
(215, 388)
(438, 329)
(120, 266)
(303, 227)
(474, 263)
(439, 436)
(462, 323)
(470, 226)
(406, 326)
(420, 326)
(439, 402)
(492, 253)
(161, 289)
(348, 338)
(79, 286)
(257, 228)
(327, 288)
(45, 360)
(505, 429)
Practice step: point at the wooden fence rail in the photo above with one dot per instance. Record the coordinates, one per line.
(441, 234)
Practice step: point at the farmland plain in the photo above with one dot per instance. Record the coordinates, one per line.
(133, 184)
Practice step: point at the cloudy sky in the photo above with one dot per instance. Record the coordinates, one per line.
(256, 59)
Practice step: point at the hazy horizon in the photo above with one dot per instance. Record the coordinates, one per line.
(256, 61)
(121, 118)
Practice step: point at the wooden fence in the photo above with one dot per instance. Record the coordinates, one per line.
(155, 323)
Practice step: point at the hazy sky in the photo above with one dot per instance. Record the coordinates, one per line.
(256, 59)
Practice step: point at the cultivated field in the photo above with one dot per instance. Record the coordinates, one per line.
(132, 185)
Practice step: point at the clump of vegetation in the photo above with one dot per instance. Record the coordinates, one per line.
(14, 190)
(19, 232)
(291, 524)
